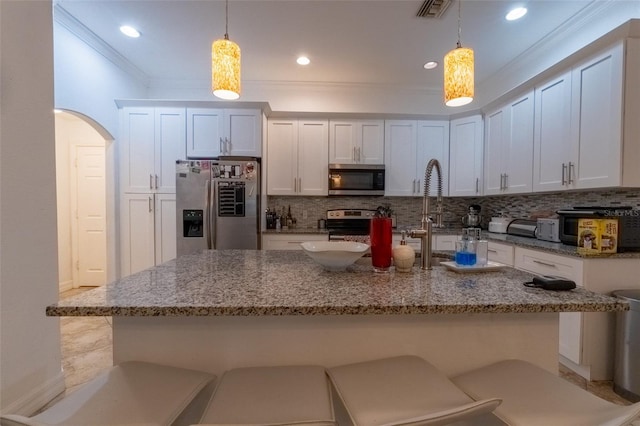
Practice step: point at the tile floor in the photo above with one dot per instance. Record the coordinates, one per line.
(86, 351)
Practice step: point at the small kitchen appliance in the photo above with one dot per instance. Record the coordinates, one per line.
(628, 224)
(472, 219)
(523, 228)
(499, 224)
(217, 204)
(548, 230)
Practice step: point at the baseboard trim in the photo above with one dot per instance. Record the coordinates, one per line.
(30, 403)
(66, 286)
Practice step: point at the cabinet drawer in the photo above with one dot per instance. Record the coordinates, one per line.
(548, 264)
(289, 241)
(502, 253)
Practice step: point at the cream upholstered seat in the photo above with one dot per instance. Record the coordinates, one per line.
(271, 396)
(533, 396)
(404, 390)
(132, 393)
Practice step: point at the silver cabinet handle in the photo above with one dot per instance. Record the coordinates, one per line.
(156, 181)
(228, 146)
(353, 154)
(150, 181)
(418, 187)
(359, 159)
(492, 251)
(501, 181)
(477, 185)
(570, 173)
(221, 145)
(564, 167)
(295, 184)
(150, 204)
(544, 263)
(299, 184)
(506, 177)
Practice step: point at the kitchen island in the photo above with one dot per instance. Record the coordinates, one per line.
(215, 310)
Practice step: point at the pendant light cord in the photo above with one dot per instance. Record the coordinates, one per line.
(226, 21)
(459, 26)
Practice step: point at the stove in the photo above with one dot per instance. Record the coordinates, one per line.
(348, 224)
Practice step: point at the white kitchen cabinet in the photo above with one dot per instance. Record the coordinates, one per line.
(152, 140)
(356, 142)
(289, 241)
(508, 164)
(596, 121)
(147, 231)
(215, 132)
(298, 157)
(465, 156)
(552, 134)
(409, 145)
(501, 253)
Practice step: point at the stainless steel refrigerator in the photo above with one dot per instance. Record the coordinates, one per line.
(217, 204)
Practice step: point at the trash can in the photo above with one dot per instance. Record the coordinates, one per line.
(626, 370)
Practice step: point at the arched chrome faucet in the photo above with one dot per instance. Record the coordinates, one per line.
(425, 232)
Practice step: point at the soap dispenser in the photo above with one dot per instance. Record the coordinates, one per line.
(403, 255)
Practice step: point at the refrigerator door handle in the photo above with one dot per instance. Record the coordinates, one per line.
(207, 213)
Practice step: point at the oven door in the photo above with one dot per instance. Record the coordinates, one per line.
(356, 179)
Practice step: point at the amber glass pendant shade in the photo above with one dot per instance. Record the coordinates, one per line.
(225, 69)
(458, 77)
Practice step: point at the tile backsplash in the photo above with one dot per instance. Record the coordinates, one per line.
(307, 210)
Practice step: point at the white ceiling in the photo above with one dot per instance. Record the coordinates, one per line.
(361, 41)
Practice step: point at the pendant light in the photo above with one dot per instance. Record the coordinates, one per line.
(458, 73)
(225, 65)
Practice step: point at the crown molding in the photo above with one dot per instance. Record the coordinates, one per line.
(63, 17)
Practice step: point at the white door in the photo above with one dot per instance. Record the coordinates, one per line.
(205, 132)
(165, 221)
(91, 249)
(244, 132)
(519, 162)
(170, 137)
(137, 150)
(313, 157)
(432, 143)
(371, 144)
(400, 158)
(497, 124)
(282, 158)
(342, 142)
(137, 232)
(465, 157)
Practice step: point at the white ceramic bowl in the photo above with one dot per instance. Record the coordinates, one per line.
(334, 255)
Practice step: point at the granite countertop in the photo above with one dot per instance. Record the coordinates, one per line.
(254, 283)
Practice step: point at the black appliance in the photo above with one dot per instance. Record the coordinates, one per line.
(356, 179)
(347, 224)
(628, 224)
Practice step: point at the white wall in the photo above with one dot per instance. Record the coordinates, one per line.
(30, 359)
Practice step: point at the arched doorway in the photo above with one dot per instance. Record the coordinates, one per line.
(84, 200)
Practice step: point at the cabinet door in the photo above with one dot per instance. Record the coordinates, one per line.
(170, 136)
(465, 156)
(243, 132)
(497, 127)
(282, 157)
(137, 168)
(432, 143)
(137, 232)
(518, 162)
(313, 158)
(342, 142)
(597, 121)
(205, 132)
(400, 158)
(370, 149)
(165, 227)
(552, 135)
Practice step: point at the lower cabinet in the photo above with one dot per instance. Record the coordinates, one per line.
(587, 339)
(289, 241)
(501, 253)
(147, 231)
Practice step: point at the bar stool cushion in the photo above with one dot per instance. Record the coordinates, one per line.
(404, 390)
(271, 396)
(533, 396)
(132, 393)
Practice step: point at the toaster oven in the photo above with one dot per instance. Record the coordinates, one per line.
(628, 224)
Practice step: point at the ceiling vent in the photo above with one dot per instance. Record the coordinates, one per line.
(433, 8)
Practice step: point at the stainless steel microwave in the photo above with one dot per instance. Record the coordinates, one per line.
(356, 179)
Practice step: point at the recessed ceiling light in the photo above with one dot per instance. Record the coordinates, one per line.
(303, 60)
(130, 31)
(516, 13)
(430, 65)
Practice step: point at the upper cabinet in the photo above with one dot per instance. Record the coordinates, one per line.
(409, 145)
(214, 132)
(509, 148)
(465, 157)
(356, 142)
(297, 157)
(152, 140)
